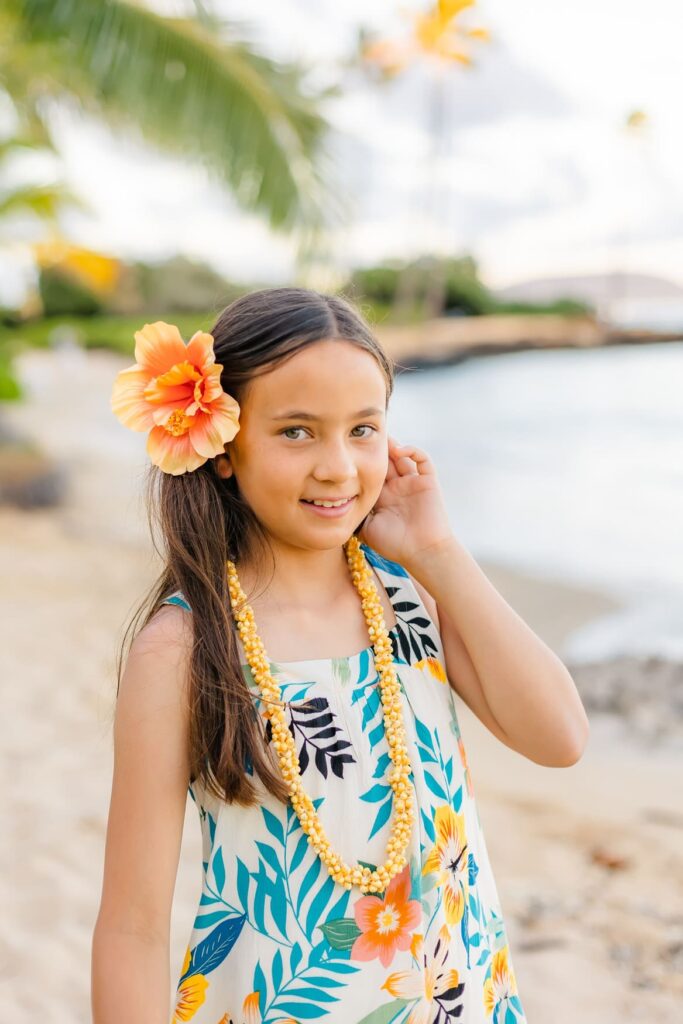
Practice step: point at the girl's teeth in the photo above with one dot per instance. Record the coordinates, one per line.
(330, 504)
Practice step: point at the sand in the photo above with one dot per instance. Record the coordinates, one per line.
(588, 859)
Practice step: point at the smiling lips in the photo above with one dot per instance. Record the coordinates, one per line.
(332, 509)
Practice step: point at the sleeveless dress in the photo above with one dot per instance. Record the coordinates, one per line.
(275, 938)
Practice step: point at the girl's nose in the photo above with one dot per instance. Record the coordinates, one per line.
(335, 462)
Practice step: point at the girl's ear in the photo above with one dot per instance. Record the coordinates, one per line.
(223, 466)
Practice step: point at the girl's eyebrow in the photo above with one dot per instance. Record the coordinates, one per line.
(296, 414)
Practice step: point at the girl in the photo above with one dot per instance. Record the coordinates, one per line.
(296, 671)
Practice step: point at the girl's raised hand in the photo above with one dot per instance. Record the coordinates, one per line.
(410, 514)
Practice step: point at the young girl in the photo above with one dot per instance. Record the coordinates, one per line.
(296, 670)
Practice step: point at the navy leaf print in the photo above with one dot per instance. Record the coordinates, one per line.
(212, 951)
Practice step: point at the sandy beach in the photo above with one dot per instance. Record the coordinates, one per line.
(588, 859)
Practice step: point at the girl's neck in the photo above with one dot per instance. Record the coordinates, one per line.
(298, 578)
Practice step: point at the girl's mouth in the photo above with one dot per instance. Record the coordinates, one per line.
(329, 512)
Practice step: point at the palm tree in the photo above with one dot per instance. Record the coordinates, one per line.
(188, 86)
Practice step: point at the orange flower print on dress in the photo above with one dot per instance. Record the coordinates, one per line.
(435, 668)
(436, 985)
(463, 758)
(448, 857)
(251, 1013)
(174, 391)
(191, 994)
(501, 986)
(386, 922)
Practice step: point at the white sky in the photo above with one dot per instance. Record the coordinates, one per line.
(540, 177)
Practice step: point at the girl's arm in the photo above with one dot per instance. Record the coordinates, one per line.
(130, 947)
(515, 684)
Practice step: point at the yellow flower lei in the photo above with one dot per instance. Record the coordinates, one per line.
(283, 741)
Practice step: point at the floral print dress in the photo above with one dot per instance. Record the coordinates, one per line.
(276, 939)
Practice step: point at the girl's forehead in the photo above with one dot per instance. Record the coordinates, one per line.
(326, 374)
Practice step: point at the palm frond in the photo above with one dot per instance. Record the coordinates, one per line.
(248, 119)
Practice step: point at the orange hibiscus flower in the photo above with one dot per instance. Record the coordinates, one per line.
(386, 922)
(174, 391)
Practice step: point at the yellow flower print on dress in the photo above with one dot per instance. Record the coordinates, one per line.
(436, 985)
(448, 857)
(501, 987)
(191, 994)
(435, 668)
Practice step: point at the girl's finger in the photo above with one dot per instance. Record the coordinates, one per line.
(423, 463)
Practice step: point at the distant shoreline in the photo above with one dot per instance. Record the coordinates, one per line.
(447, 340)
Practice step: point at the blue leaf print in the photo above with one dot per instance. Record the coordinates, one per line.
(212, 950)
(243, 884)
(309, 879)
(301, 848)
(260, 900)
(510, 1016)
(449, 770)
(274, 825)
(474, 907)
(270, 857)
(457, 799)
(429, 826)
(472, 869)
(260, 986)
(340, 967)
(382, 816)
(376, 734)
(212, 827)
(276, 971)
(295, 957)
(314, 993)
(435, 787)
(339, 909)
(424, 734)
(206, 920)
(372, 706)
(377, 793)
(383, 762)
(206, 899)
(315, 911)
(278, 906)
(305, 1010)
(219, 869)
(426, 756)
(378, 562)
(321, 980)
(483, 957)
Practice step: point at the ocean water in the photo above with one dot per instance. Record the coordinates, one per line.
(567, 464)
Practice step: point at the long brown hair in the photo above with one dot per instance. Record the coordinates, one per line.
(198, 520)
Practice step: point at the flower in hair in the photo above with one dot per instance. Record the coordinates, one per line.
(174, 391)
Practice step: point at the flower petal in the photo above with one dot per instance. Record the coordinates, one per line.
(128, 401)
(191, 995)
(365, 911)
(158, 347)
(405, 984)
(200, 351)
(174, 455)
(210, 431)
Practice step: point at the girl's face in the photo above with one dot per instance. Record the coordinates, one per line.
(313, 427)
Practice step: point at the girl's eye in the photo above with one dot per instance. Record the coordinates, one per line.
(360, 426)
